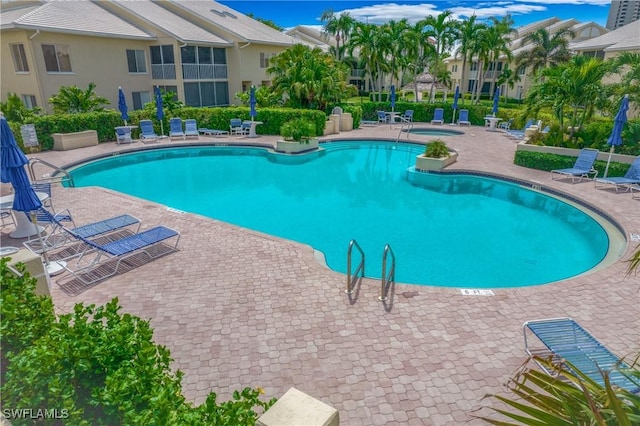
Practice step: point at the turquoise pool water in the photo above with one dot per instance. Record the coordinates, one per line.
(460, 230)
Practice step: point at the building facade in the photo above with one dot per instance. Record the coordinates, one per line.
(201, 50)
(623, 12)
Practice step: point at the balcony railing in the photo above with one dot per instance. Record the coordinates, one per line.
(163, 71)
(204, 71)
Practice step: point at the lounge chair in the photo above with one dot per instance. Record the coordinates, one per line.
(519, 134)
(565, 340)
(583, 167)
(191, 128)
(633, 189)
(212, 132)
(245, 127)
(146, 131)
(630, 178)
(175, 128)
(383, 118)
(101, 259)
(56, 237)
(123, 135)
(506, 125)
(235, 126)
(438, 116)
(463, 118)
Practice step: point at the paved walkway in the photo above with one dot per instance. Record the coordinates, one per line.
(239, 308)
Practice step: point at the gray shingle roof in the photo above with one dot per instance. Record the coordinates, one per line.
(173, 24)
(82, 17)
(242, 26)
(626, 37)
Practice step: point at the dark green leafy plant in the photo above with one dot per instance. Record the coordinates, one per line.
(72, 100)
(436, 149)
(14, 110)
(299, 130)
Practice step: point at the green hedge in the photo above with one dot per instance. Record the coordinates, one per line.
(97, 366)
(548, 162)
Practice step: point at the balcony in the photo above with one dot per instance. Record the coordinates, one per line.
(163, 71)
(204, 72)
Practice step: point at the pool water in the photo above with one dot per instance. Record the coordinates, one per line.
(460, 230)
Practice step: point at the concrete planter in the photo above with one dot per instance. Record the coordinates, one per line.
(429, 163)
(293, 147)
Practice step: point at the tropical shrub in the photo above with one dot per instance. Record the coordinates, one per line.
(299, 130)
(98, 366)
(436, 149)
(15, 110)
(72, 100)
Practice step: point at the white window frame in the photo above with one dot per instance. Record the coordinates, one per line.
(141, 61)
(60, 50)
(19, 56)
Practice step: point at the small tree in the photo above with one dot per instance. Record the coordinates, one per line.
(72, 100)
(15, 110)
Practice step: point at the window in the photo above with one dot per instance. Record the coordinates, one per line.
(57, 58)
(19, 57)
(169, 89)
(522, 70)
(203, 63)
(29, 101)
(454, 68)
(162, 62)
(206, 93)
(140, 98)
(474, 66)
(264, 59)
(136, 61)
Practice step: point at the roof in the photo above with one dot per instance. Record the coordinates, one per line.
(311, 36)
(171, 23)
(229, 20)
(626, 37)
(80, 17)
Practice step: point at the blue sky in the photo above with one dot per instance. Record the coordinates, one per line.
(307, 12)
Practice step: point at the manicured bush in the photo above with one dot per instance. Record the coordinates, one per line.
(98, 366)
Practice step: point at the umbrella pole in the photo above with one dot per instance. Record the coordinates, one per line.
(606, 169)
(52, 268)
(453, 119)
(162, 127)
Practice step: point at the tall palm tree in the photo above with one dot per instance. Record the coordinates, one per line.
(420, 51)
(398, 33)
(373, 45)
(338, 26)
(443, 30)
(467, 32)
(627, 65)
(547, 49)
(508, 77)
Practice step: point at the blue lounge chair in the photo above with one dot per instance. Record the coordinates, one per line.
(565, 340)
(146, 131)
(175, 128)
(56, 237)
(235, 126)
(438, 116)
(245, 127)
(630, 178)
(383, 118)
(106, 256)
(191, 128)
(506, 125)
(212, 132)
(583, 167)
(123, 135)
(463, 119)
(407, 116)
(519, 134)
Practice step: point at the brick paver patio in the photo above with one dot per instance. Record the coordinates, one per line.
(239, 308)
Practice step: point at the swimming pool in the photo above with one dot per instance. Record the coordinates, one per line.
(445, 230)
(434, 132)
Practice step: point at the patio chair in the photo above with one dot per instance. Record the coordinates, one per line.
(438, 116)
(212, 132)
(519, 134)
(565, 340)
(99, 260)
(175, 128)
(235, 126)
(583, 167)
(407, 116)
(630, 178)
(146, 131)
(56, 237)
(123, 135)
(191, 128)
(245, 127)
(506, 125)
(463, 118)
(383, 118)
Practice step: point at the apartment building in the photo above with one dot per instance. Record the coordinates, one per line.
(583, 31)
(623, 12)
(201, 50)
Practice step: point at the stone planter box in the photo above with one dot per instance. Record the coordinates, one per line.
(428, 163)
(293, 147)
(66, 141)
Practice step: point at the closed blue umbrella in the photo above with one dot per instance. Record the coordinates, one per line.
(496, 97)
(122, 106)
(393, 97)
(252, 102)
(12, 171)
(615, 139)
(159, 109)
(456, 95)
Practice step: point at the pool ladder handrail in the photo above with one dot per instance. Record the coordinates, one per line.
(65, 176)
(404, 122)
(391, 276)
(351, 279)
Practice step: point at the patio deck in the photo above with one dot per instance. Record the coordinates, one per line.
(240, 308)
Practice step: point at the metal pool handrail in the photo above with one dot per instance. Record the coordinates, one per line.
(360, 269)
(66, 177)
(391, 276)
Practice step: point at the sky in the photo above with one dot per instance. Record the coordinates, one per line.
(290, 13)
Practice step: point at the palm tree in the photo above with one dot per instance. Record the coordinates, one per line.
(371, 44)
(338, 26)
(467, 32)
(443, 30)
(499, 38)
(419, 51)
(628, 66)
(508, 77)
(398, 31)
(72, 99)
(547, 49)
